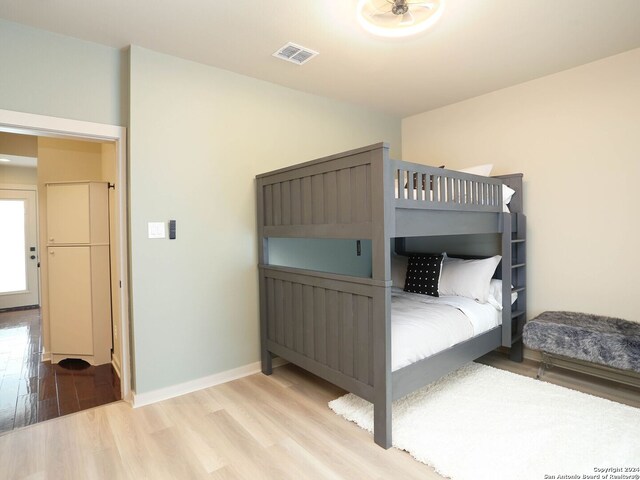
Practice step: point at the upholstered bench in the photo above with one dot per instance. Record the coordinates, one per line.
(612, 342)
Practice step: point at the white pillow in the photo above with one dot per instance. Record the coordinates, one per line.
(495, 294)
(484, 170)
(507, 193)
(398, 270)
(446, 258)
(468, 278)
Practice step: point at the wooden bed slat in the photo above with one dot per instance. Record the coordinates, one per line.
(271, 308)
(344, 195)
(298, 318)
(317, 199)
(333, 329)
(359, 185)
(296, 202)
(268, 205)
(320, 325)
(348, 347)
(279, 311)
(362, 340)
(277, 204)
(367, 193)
(286, 203)
(308, 321)
(330, 197)
(307, 213)
(287, 292)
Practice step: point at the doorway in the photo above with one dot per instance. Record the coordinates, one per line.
(19, 285)
(112, 142)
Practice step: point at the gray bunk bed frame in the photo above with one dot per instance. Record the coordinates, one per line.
(338, 327)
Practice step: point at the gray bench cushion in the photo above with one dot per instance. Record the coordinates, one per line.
(608, 341)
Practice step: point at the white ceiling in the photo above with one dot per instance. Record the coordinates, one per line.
(477, 47)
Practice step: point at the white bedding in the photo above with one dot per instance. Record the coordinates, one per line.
(422, 325)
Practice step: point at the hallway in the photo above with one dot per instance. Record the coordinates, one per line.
(32, 391)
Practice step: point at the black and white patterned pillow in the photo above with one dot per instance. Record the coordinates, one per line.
(423, 274)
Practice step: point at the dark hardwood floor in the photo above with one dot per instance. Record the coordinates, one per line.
(32, 391)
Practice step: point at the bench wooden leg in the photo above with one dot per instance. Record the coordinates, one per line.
(544, 364)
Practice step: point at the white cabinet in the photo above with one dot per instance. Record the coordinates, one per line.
(79, 271)
(77, 213)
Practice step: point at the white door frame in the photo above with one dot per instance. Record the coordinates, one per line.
(46, 126)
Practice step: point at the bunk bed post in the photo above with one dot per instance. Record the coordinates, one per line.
(263, 259)
(383, 224)
(514, 236)
(506, 280)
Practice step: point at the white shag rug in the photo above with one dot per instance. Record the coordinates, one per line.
(484, 423)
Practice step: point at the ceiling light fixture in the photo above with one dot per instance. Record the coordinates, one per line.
(398, 18)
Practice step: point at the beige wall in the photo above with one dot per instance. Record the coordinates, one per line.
(18, 175)
(21, 145)
(198, 137)
(576, 137)
(58, 161)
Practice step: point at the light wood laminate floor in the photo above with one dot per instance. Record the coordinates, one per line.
(258, 427)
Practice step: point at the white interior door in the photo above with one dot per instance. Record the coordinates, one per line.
(18, 249)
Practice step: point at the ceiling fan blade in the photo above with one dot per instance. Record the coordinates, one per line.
(407, 19)
(422, 4)
(384, 16)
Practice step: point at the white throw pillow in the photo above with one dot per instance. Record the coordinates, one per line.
(507, 193)
(468, 278)
(446, 258)
(495, 294)
(484, 170)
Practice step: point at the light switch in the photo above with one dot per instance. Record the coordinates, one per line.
(157, 230)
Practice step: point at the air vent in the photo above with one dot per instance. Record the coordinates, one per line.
(295, 53)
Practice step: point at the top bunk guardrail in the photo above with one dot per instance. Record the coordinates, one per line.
(337, 196)
(425, 187)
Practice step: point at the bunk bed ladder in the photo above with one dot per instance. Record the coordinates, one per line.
(514, 266)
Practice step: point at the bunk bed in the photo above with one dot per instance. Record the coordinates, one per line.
(338, 326)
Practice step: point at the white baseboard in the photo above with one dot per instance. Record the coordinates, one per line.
(45, 356)
(147, 398)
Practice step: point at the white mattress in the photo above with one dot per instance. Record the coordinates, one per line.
(422, 325)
